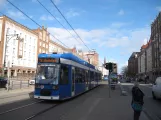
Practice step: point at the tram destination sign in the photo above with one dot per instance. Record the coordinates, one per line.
(48, 60)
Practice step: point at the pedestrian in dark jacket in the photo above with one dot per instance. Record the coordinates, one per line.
(137, 100)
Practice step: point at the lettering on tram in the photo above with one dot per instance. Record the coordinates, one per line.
(48, 60)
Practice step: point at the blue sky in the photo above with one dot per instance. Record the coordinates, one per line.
(115, 28)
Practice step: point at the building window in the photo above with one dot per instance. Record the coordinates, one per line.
(40, 50)
(20, 48)
(29, 55)
(13, 51)
(46, 46)
(33, 48)
(40, 43)
(25, 54)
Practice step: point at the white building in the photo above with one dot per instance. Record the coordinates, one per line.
(21, 51)
(103, 70)
(54, 47)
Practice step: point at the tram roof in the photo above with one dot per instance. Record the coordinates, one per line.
(68, 56)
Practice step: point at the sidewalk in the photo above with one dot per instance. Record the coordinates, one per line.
(100, 106)
(15, 95)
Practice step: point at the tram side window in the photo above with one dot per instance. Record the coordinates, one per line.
(77, 75)
(87, 77)
(64, 74)
(91, 76)
(83, 76)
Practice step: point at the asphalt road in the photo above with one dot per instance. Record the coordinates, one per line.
(43, 110)
(151, 107)
(93, 105)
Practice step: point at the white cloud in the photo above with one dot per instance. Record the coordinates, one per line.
(158, 8)
(57, 2)
(46, 17)
(34, 0)
(16, 14)
(121, 12)
(110, 38)
(120, 24)
(127, 41)
(72, 13)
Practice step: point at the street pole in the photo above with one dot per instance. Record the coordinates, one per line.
(8, 75)
(5, 62)
(109, 83)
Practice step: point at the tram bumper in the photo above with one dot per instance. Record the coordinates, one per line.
(47, 97)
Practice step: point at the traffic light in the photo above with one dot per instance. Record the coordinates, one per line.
(114, 65)
(106, 65)
(110, 66)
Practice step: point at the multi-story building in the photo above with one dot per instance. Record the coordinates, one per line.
(43, 40)
(91, 57)
(18, 47)
(149, 60)
(142, 66)
(57, 48)
(156, 46)
(133, 64)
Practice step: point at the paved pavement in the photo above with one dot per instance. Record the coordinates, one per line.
(151, 107)
(15, 95)
(93, 105)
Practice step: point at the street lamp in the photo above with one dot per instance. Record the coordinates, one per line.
(7, 41)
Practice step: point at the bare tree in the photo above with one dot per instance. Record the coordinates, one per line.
(124, 70)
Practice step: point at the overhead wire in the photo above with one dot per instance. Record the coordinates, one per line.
(41, 26)
(56, 19)
(34, 21)
(68, 23)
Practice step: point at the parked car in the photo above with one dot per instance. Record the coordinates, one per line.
(32, 82)
(3, 82)
(156, 89)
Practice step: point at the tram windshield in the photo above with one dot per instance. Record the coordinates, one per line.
(47, 74)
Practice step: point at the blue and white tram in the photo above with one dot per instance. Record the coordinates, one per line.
(62, 76)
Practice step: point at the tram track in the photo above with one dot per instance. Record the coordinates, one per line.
(41, 112)
(20, 107)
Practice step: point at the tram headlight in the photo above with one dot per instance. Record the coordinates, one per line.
(55, 87)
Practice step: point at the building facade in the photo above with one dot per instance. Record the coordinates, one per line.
(91, 57)
(18, 47)
(133, 64)
(156, 46)
(149, 61)
(43, 40)
(54, 47)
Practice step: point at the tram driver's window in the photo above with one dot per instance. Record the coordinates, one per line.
(64, 74)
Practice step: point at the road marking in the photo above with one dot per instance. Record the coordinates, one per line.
(20, 107)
